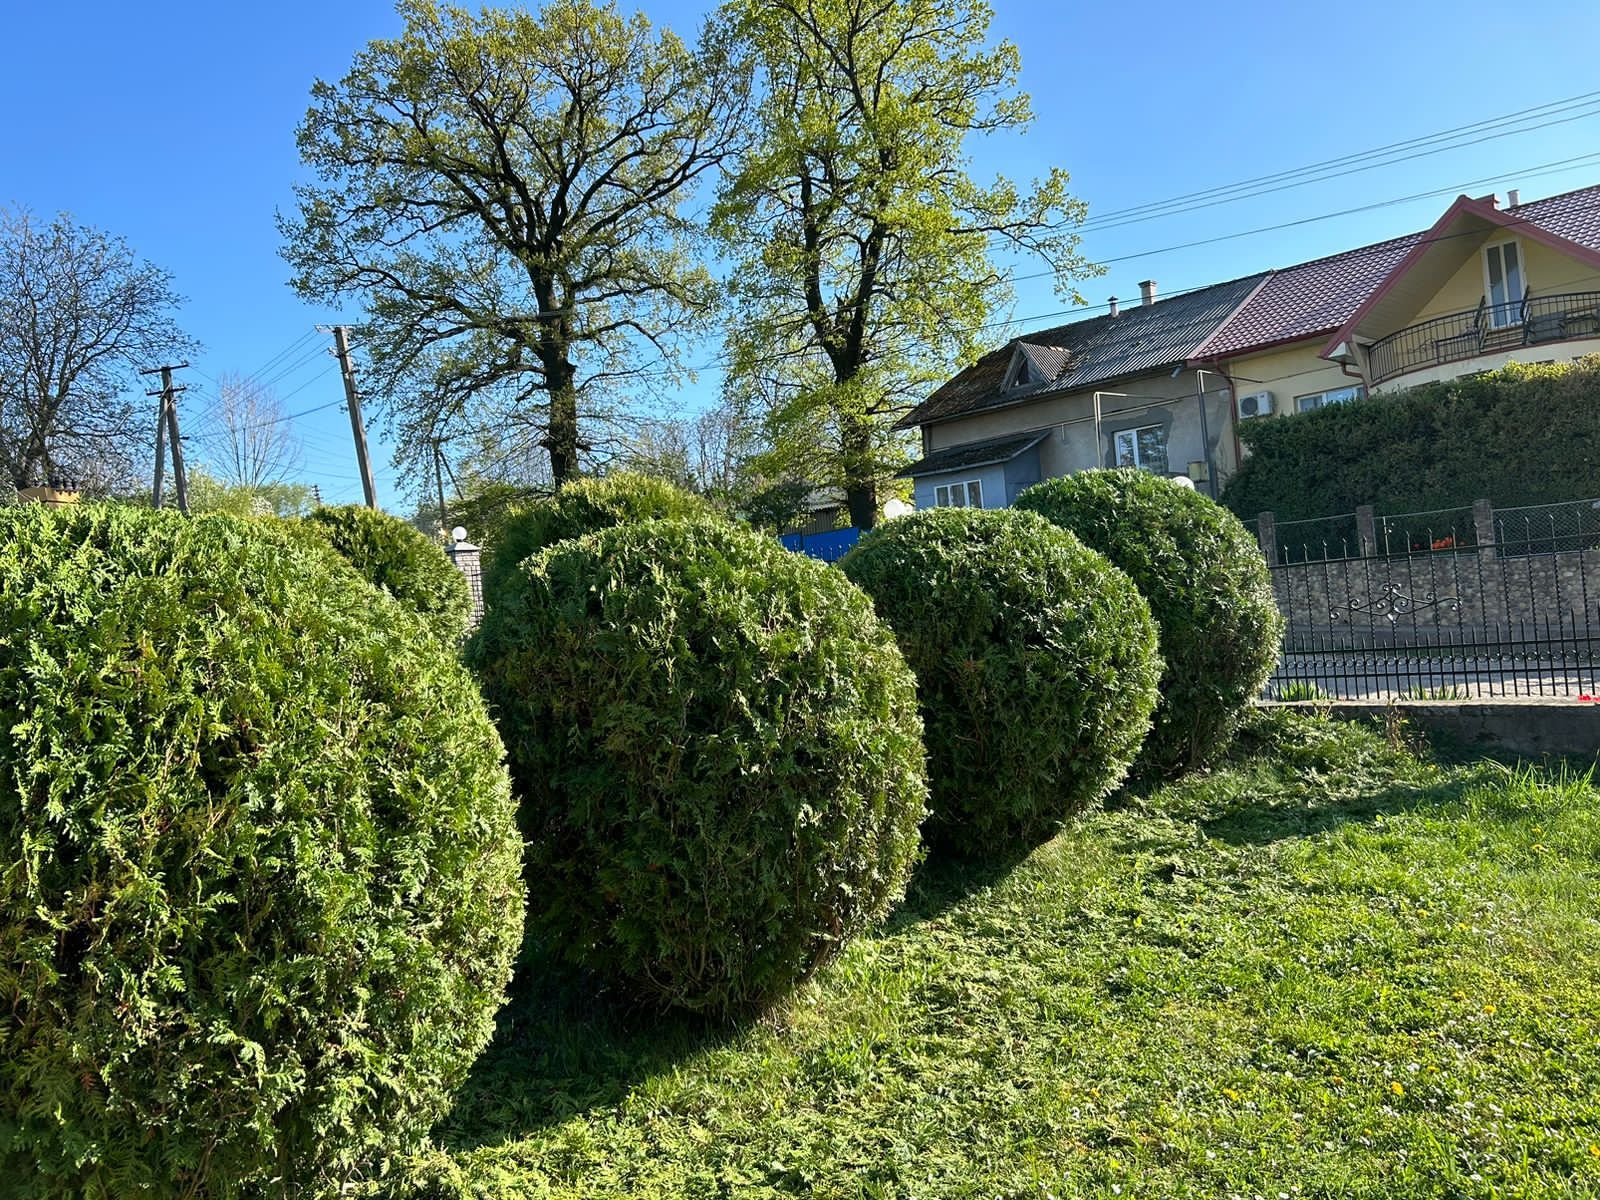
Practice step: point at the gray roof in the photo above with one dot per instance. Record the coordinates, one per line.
(1095, 350)
(970, 455)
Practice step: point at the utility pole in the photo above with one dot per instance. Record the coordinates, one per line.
(341, 342)
(438, 482)
(167, 430)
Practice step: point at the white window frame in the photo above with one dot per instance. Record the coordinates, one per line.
(970, 491)
(1116, 454)
(1357, 392)
(1512, 309)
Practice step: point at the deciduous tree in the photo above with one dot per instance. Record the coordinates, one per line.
(505, 190)
(865, 249)
(249, 440)
(79, 314)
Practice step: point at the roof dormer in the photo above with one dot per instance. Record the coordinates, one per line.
(1033, 366)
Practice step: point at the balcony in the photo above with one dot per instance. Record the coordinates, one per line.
(1487, 329)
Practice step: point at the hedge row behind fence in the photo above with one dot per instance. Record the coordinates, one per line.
(1520, 435)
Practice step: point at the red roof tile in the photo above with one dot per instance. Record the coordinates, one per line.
(1320, 296)
(1572, 215)
(1308, 299)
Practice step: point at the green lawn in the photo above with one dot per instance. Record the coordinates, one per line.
(1331, 969)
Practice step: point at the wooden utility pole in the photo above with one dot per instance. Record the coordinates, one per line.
(438, 482)
(167, 431)
(341, 342)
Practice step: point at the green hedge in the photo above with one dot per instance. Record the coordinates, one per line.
(1519, 435)
(1208, 589)
(581, 506)
(1035, 661)
(402, 560)
(718, 754)
(259, 871)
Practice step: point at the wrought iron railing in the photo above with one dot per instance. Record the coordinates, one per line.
(1487, 329)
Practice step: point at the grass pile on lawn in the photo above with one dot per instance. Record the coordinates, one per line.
(1328, 968)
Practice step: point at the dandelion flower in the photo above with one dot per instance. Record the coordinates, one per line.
(1397, 1088)
(1230, 1093)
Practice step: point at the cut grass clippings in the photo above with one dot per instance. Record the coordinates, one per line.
(1329, 969)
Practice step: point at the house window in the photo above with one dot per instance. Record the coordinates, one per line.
(1331, 396)
(1502, 267)
(959, 495)
(1145, 448)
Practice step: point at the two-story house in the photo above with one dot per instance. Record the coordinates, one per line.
(1163, 385)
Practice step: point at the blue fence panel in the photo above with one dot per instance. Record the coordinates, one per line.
(829, 547)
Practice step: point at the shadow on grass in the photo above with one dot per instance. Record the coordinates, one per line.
(943, 881)
(564, 1045)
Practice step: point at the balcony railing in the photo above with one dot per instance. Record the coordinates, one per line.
(1487, 329)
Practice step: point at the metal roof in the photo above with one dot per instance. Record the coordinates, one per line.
(970, 455)
(1321, 295)
(1307, 299)
(1095, 350)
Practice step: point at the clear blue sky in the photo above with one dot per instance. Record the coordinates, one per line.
(172, 124)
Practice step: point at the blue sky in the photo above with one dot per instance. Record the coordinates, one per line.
(172, 124)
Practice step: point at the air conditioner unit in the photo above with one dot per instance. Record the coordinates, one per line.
(1256, 404)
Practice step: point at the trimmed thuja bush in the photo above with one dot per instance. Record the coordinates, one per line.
(1208, 588)
(719, 757)
(259, 870)
(402, 560)
(1035, 662)
(579, 507)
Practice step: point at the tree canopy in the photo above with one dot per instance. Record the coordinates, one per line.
(79, 314)
(504, 190)
(864, 249)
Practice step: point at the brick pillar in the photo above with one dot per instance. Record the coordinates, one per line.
(468, 560)
(1491, 570)
(1267, 535)
(1366, 530)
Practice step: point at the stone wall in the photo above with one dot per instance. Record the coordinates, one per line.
(1506, 588)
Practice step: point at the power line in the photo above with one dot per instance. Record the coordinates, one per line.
(1350, 164)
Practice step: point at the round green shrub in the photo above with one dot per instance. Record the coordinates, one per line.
(1208, 588)
(260, 882)
(718, 754)
(402, 560)
(1035, 662)
(579, 507)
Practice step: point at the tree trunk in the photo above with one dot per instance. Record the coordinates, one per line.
(862, 498)
(561, 434)
(860, 481)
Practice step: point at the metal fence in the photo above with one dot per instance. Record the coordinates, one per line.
(829, 547)
(1441, 607)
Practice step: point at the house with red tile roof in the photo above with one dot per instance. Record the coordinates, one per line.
(1163, 386)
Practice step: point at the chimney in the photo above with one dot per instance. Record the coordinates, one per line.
(1114, 307)
(1147, 292)
(1513, 197)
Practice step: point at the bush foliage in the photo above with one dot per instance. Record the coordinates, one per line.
(1208, 589)
(579, 507)
(1035, 662)
(259, 871)
(1519, 435)
(395, 556)
(718, 753)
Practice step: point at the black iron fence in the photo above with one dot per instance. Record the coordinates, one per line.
(1439, 606)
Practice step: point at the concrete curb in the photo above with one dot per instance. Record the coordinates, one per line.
(1528, 726)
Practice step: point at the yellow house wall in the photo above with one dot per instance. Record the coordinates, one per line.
(1288, 372)
(1544, 270)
